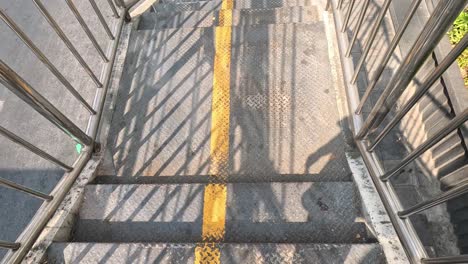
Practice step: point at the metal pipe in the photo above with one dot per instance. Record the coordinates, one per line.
(388, 55)
(67, 42)
(362, 15)
(9, 245)
(86, 29)
(24, 189)
(348, 15)
(370, 41)
(439, 135)
(101, 19)
(26, 40)
(439, 199)
(23, 90)
(436, 27)
(16, 139)
(114, 10)
(446, 260)
(427, 84)
(340, 4)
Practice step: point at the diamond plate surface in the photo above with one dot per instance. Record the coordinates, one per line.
(284, 117)
(238, 253)
(208, 18)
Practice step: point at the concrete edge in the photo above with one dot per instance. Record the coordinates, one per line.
(60, 226)
(374, 211)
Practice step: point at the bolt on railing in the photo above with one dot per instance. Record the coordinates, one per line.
(440, 20)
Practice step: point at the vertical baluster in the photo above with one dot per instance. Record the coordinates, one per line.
(44, 60)
(114, 10)
(24, 189)
(86, 29)
(9, 245)
(16, 139)
(67, 42)
(388, 55)
(439, 135)
(101, 19)
(370, 41)
(426, 85)
(348, 15)
(436, 27)
(362, 15)
(23, 90)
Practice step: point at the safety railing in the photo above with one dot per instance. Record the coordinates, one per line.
(27, 93)
(369, 132)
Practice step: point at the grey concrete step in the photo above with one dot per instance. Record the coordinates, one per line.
(256, 213)
(208, 18)
(230, 253)
(176, 6)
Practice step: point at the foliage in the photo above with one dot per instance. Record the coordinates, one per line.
(459, 29)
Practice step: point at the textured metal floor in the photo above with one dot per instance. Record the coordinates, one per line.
(284, 117)
(225, 145)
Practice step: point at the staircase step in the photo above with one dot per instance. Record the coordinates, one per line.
(176, 6)
(230, 253)
(256, 212)
(240, 178)
(208, 18)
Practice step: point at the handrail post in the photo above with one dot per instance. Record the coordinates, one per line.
(439, 135)
(114, 10)
(435, 28)
(9, 245)
(370, 41)
(16, 139)
(86, 29)
(40, 55)
(388, 55)
(427, 84)
(67, 41)
(24, 189)
(362, 15)
(101, 19)
(23, 90)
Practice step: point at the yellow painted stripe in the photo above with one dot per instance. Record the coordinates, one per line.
(214, 207)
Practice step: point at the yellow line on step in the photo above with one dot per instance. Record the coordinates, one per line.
(215, 196)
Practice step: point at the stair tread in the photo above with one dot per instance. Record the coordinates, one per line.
(230, 253)
(238, 4)
(325, 212)
(209, 18)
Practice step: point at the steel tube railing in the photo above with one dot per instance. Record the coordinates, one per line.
(86, 29)
(348, 15)
(67, 42)
(362, 15)
(16, 139)
(24, 189)
(114, 10)
(101, 19)
(427, 84)
(439, 135)
(388, 55)
(371, 39)
(23, 90)
(441, 198)
(26, 40)
(446, 260)
(9, 245)
(436, 27)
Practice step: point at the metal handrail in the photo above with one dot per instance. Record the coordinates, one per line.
(433, 31)
(22, 89)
